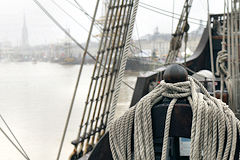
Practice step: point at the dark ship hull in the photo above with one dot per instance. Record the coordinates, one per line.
(141, 64)
(200, 60)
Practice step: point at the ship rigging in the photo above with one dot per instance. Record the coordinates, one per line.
(209, 117)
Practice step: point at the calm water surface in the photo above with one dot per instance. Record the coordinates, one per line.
(34, 100)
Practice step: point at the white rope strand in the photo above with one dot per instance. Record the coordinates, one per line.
(123, 63)
(211, 120)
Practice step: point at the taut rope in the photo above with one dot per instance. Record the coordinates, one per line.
(211, 48)
(123, 62)
(211, 120)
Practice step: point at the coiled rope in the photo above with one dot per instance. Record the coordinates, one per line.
(222, 58)
(211, 120)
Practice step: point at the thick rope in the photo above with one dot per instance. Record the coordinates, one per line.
(211, 120)
(123, 63)
(222, 58)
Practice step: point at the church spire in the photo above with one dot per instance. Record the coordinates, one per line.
(25, 42)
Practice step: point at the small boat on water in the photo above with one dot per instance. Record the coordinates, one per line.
(70, 61)
(145, 60)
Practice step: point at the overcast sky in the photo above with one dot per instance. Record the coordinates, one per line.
(42, 30)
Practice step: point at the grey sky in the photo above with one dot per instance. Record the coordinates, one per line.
(42, 30)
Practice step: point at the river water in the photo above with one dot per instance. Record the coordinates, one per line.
(34, 100)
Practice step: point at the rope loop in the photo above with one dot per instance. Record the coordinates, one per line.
(211, 120)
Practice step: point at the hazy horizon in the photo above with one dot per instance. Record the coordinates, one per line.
(42, 30)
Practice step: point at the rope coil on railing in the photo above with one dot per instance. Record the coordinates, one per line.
(211, 120)
(222, 59)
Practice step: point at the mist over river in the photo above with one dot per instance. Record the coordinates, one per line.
(35, 99)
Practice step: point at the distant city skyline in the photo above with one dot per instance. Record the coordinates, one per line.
(41, 30)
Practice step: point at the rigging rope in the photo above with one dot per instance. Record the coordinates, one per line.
(229, 53)
(181, 29)
(173, 12)
(213, 124)
(110, 21)
(232, 52)
(235, 52)
(185, 48)
(147, 8)
(114, 41)
(211, 49)
(186, 37)
(70, 36)
(123, 62)
(139, 41)
(81, 8)
(78, 79)
(21, 150)
(222, 58)
(84, 11)
(58, 6)
(62, 28)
